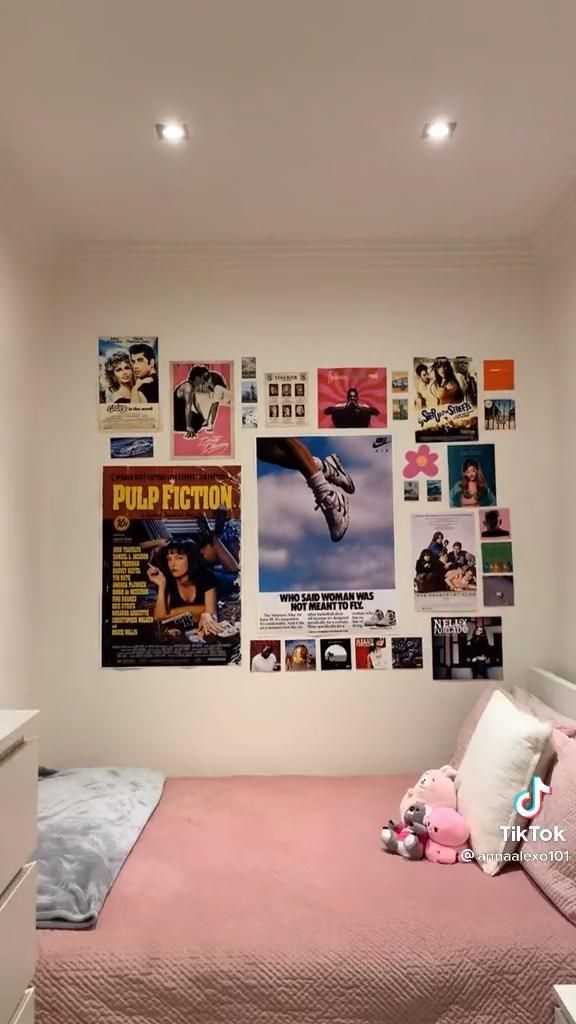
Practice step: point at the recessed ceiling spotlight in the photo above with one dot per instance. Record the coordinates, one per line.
(172, 131)
(438, 131)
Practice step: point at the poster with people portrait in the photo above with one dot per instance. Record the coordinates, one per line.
(171, 566)
(445, 562)
(286, 399)
(202, 409)
(352, 398)
(128, 397)
(445, 399)
(371, 652)
(325, 534)
(472, 475)
(467, 648)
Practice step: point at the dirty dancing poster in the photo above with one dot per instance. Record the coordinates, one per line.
(171, 566)
(326, 534)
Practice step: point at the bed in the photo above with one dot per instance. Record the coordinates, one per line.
(269, 901)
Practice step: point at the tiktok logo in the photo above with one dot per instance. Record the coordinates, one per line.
(528, 802)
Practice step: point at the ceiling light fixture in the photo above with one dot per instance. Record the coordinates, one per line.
(172, 131)
(438, 131)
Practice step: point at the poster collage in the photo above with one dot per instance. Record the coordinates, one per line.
(171, 584)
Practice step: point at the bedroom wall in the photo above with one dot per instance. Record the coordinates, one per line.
(23, 331)
(212, 721)
(558, 371)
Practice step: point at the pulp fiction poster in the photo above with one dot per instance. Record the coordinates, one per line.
(128, 384)
(202, 409)
(446, 399)
(352, 398)
(171, 566)
(325, 534)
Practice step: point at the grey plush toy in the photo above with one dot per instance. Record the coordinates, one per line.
(408, 839)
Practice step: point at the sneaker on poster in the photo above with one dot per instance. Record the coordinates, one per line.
(336, 474)
(335, 510)
(381, 619)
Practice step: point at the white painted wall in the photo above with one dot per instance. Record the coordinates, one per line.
(211, 721)
(558, 375)
(24, 332)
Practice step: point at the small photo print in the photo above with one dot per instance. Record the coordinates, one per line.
(472, 475)
(499, 414)
(273, 390)
(434, 490)
(249, 391)
(273, 412)
(264, 655)
(411, 490)
(498, 591)
(299, 391)
(497, 557)
(371, 652)
(249, 415)
(495, 522)
(286, 412)
(399, 408)
(498, 375)
(131, 447)
(300, 655)
(400, 382)
(248, 366)
(336, 654)
(286, 391)
(407, 652)
(299, 411)
(467, 648)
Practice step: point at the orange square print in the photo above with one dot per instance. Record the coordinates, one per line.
(498, 375)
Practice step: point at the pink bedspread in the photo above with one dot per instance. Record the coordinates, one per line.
(269, 901)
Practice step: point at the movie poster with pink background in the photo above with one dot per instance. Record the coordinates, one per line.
(352, 398)
(202, 409)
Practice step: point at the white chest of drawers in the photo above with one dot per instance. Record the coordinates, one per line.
(18, 816)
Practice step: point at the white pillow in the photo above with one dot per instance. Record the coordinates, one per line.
(505, 750)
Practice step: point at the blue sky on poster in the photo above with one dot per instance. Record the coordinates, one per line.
(295, 549)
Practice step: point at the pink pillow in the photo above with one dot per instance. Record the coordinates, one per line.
(557, 878)
(470, 723)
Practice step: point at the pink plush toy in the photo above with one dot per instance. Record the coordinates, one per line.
(448, 834)
(436, 788)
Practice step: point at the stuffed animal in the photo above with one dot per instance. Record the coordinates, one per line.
(436, 788)
(447, 835)
(408, 839)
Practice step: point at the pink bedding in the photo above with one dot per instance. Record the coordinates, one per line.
(269, 901)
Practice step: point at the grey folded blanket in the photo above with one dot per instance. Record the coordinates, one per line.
(88, 821)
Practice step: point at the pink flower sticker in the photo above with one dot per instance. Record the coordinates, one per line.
(421, 461)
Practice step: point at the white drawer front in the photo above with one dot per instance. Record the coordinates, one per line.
(25, 1012)
(18, 809)
(17, 940)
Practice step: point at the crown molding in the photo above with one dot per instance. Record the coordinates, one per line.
(300, 255)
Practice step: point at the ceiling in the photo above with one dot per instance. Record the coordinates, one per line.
(305, 117)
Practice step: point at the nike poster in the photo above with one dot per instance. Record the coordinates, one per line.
(326, 534)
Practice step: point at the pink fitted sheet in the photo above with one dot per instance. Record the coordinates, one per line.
(269, 901)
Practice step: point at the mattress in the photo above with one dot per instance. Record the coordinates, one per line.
(269, 900)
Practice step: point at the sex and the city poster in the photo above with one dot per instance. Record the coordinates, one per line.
(171, 566)
(326, 534)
